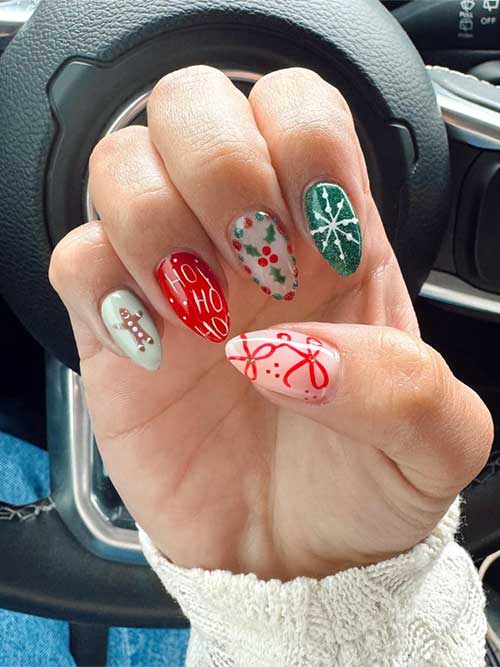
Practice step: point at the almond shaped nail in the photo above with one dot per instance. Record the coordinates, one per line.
(132, 328)
(287, 362)
(195, 295)
(333, 226)
(262, 245)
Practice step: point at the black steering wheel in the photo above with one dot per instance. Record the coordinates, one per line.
(77, 70)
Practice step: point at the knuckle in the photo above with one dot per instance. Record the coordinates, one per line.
(57, 266)
(228, 155)
(297, 84)
(486, 437)
(419, 378)
(175, 81)
(65, 261)
(111, 148)
(477, 434)
(341, 101)
(285, 77)
(434, 411)
(319, 132)
(144, 210)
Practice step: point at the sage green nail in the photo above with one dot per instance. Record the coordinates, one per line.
(132, 329)
(334, 226)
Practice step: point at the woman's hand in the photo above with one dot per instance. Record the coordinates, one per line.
(339, 444)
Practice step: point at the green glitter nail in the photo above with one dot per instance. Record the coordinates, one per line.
(260, 216)
(334, 226)
(238, 232)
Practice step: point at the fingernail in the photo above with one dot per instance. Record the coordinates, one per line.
(132, 328)
(334, 226)
(194, 293)
(287, 363)
(262, 245)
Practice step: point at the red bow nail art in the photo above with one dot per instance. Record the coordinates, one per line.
(289, 363)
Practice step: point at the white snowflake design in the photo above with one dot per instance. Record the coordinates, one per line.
(334, 225)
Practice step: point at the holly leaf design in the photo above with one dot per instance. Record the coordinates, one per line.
(334, 226)
(270, 234)
(252, 250)
(277, 275)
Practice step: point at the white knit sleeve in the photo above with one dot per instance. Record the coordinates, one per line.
(424, 607)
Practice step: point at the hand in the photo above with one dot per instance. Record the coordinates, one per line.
(343, 464)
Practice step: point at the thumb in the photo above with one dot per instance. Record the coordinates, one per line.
(375, 386)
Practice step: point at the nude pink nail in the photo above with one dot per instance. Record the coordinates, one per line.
(287, 362)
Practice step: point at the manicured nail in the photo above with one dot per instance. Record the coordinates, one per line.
(334, 226)
(262, 245)
(286, 362)
(132, 328)
(194, 293)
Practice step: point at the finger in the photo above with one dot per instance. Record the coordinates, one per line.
(156, 235)
(106, 306)
(313, 145)
(205, 132)
(376, 385)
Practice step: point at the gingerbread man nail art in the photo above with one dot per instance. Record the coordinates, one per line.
(132, 328)
(131, 324)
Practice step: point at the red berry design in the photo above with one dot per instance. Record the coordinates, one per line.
(266, 250)
(265, 289)
(289, 248)
(263, 261)
(273, 259)
(247, 269)
(289, 296)
(236, 245)
(248, 222)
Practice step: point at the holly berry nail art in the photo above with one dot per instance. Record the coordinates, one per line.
(262, 245)
(194, 293)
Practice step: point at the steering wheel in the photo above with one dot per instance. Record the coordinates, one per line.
(80, 69)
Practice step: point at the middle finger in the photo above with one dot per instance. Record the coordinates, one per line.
(205, 131)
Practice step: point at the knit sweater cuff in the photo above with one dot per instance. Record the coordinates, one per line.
(421, 607)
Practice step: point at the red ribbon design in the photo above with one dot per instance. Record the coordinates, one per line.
(309, 357)
(318, 374)
(252, 357)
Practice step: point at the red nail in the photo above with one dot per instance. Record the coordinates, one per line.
(194, 293)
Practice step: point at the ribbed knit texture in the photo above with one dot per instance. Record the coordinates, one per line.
(424, 607)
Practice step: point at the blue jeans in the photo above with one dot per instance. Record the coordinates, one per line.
(42, 642)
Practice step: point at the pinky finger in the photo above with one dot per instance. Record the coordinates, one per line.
(106, 306)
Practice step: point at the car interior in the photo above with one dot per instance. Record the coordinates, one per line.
(72, 72)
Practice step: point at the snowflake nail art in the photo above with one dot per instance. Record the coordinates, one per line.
(132, 328)
(262, 245)
(334, 226)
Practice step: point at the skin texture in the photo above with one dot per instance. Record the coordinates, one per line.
(219, 473)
